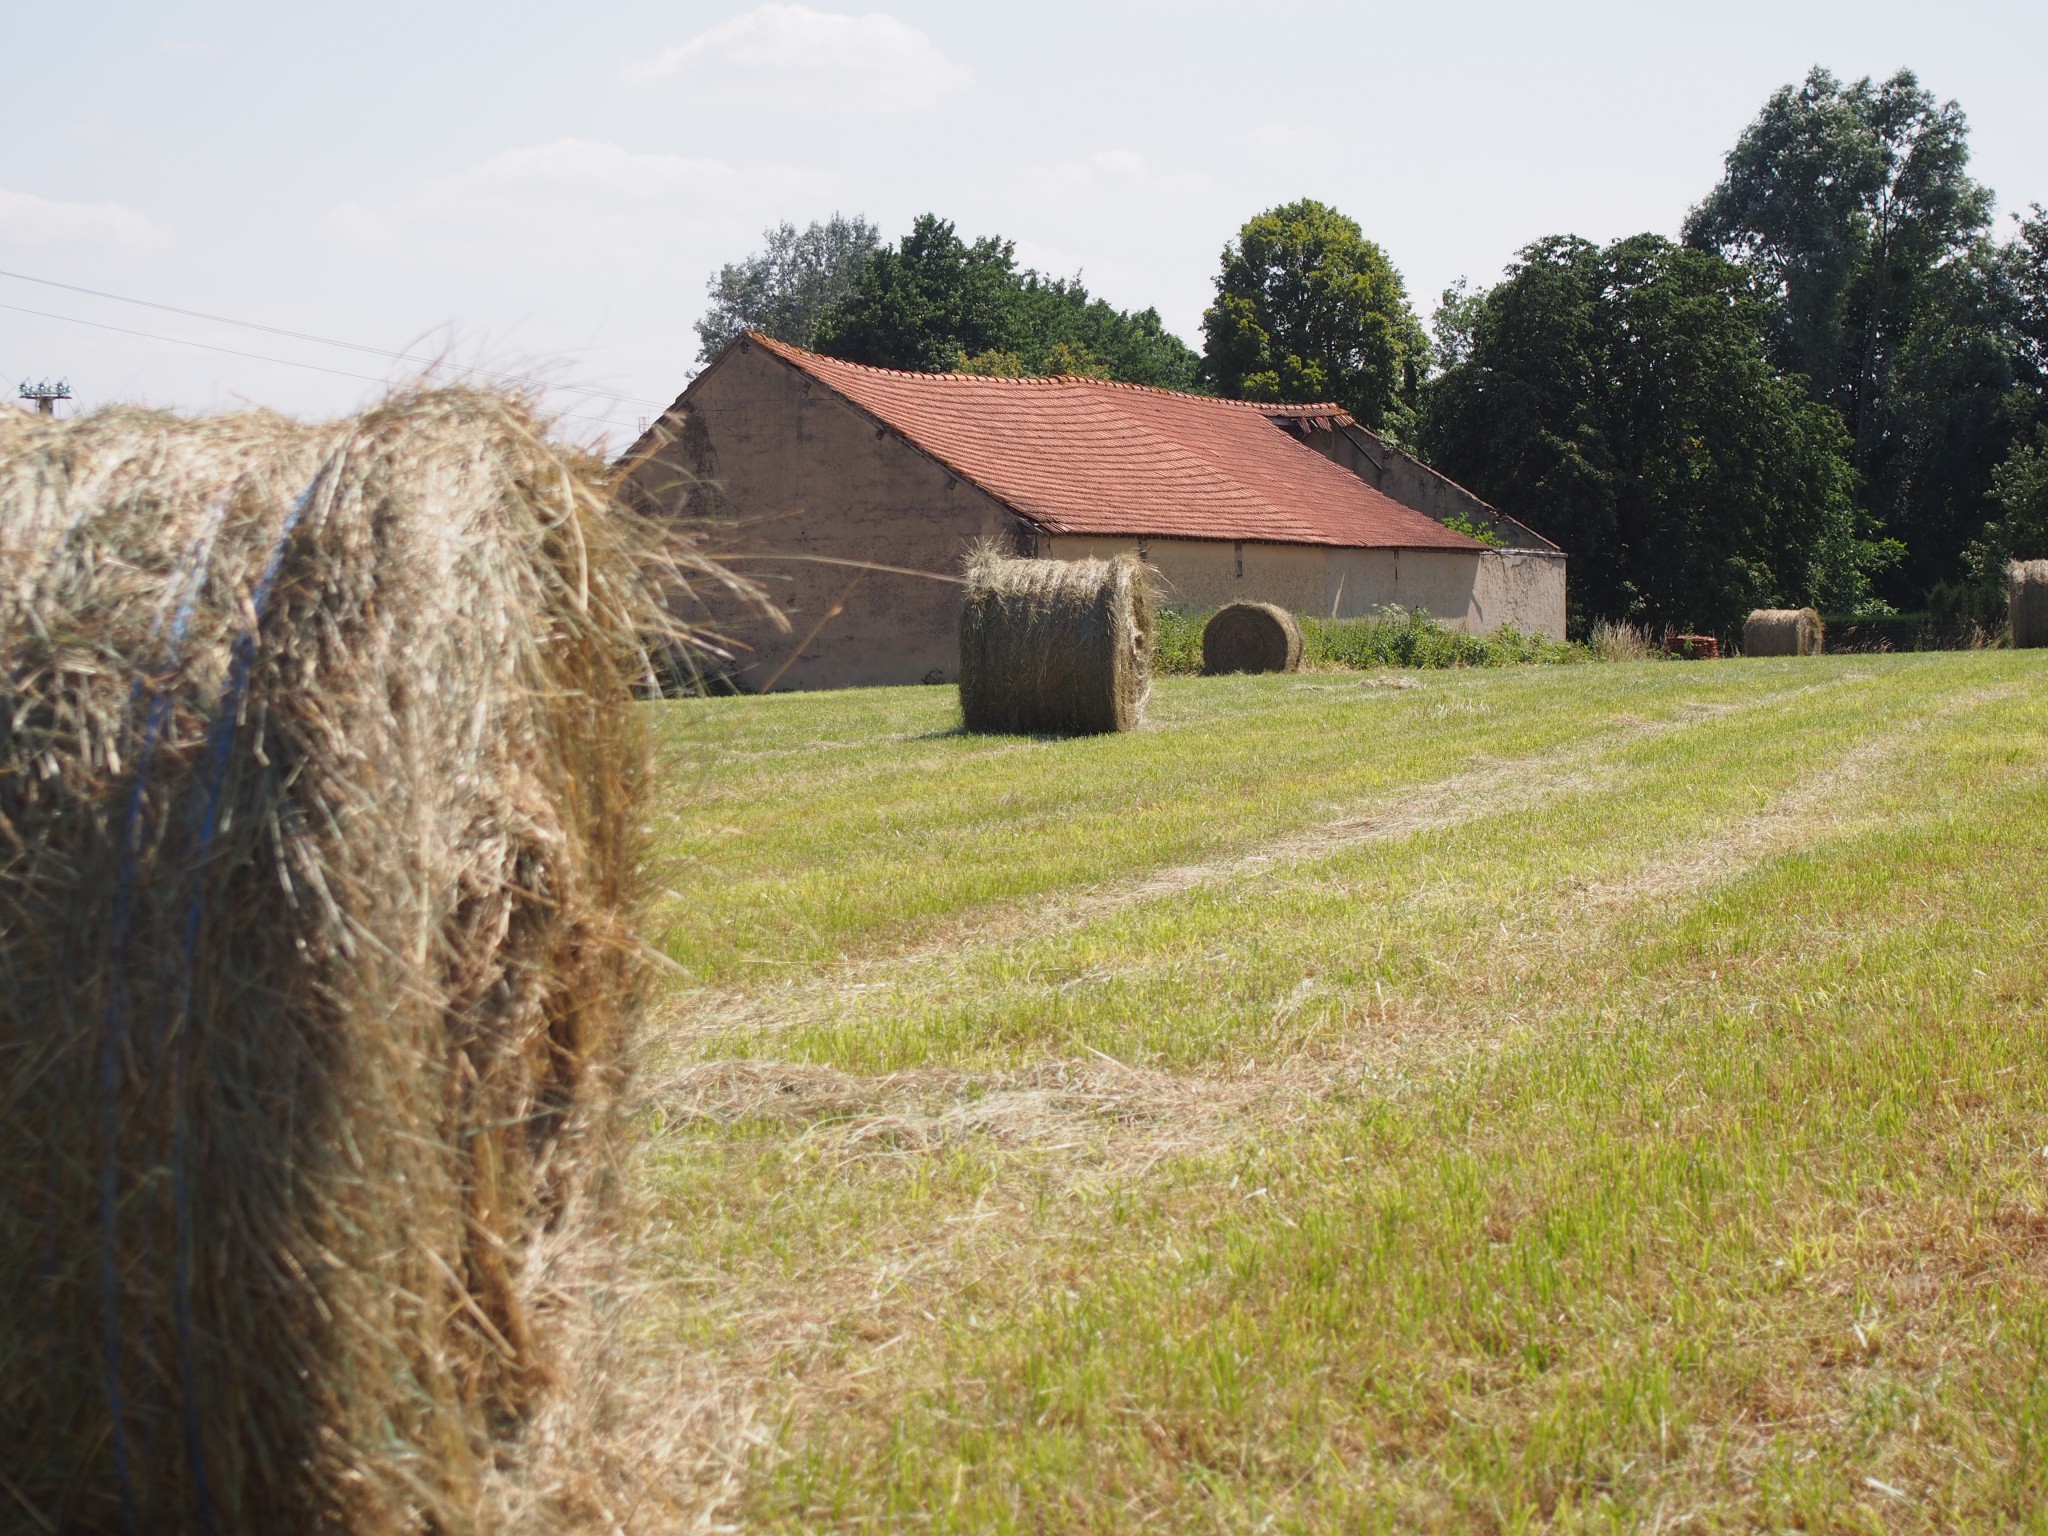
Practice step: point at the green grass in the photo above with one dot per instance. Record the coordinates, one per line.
(1393, 637)
(1554, 1098)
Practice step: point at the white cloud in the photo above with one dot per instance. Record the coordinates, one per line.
(872, 65)
(32, 220)
(569, 197)
(1124, 170)
(1276, 135)
(583, 252)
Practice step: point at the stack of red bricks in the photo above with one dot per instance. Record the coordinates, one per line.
(1693, 647)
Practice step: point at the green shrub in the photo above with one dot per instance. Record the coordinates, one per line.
(1177, 641)
(1393, 637)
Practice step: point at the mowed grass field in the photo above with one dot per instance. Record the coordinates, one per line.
(1603, 1097)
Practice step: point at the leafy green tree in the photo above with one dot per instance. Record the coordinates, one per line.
(1621, 401)
(783, 289)
(1060, 329)
(1061, 358)
(936, 302)
(2027, 265)
(926, 302)
(1308, 309)
(2019, 486)
(1853, 207)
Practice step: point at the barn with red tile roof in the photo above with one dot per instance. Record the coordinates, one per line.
(850, 494)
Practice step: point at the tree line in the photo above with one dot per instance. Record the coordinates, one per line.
(1831, 389)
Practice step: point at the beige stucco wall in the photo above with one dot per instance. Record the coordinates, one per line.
(1357, 582)
(1471, 590)
(1520, 587)
(1474, 591)
(775, 468)
(1203, 574)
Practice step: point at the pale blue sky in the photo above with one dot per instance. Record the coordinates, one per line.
(541, 188)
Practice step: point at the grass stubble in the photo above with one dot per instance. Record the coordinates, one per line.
(1591, 1099)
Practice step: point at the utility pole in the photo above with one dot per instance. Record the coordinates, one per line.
(46, 395)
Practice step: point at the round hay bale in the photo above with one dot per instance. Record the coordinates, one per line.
(1055, 647)
(1251, 637)
(1782, 632)
(2026, 602)
(318, 839)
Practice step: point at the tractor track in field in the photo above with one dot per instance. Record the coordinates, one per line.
(1152, 1112)
(1818, 803)
(1495, 787)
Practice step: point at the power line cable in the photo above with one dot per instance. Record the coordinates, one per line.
(325, 341)
(341, 373)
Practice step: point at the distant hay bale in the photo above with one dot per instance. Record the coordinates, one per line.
(1055, 647)
(1251, 637)
(2026, 598)
(318, 839)
(1782, 632)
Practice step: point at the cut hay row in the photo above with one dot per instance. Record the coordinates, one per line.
(1055, 647)
(317, 849)
(1251, 637)
(2026, 596)
(1783, 632)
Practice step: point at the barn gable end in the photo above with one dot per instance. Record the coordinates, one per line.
(800, 489)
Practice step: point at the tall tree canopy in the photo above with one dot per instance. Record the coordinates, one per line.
(935, 302)
(1621, 400)
(2027, 263)
(2018, 529)
(1308, 309)
(1060, 329)
(2019, 488)
(926, 302)
(781, 290)
(1853, 207)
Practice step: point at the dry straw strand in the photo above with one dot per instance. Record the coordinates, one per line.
(1055, 647)
(1783, 632)
(1251, 637)
(2026, 597)
(318, 776)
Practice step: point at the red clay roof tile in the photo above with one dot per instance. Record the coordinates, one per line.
(1096, 459)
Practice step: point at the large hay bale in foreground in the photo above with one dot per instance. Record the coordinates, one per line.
(317, 834)
(1055, 647)
(1251, 637)
(2026, 602)
(1782, 632)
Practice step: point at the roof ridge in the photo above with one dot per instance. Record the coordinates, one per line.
(803, 358)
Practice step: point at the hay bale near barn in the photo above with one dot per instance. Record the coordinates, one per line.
(1055, 647)
(318, 779)
(1782, 632)
(1251, 637)
(2026, 602)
